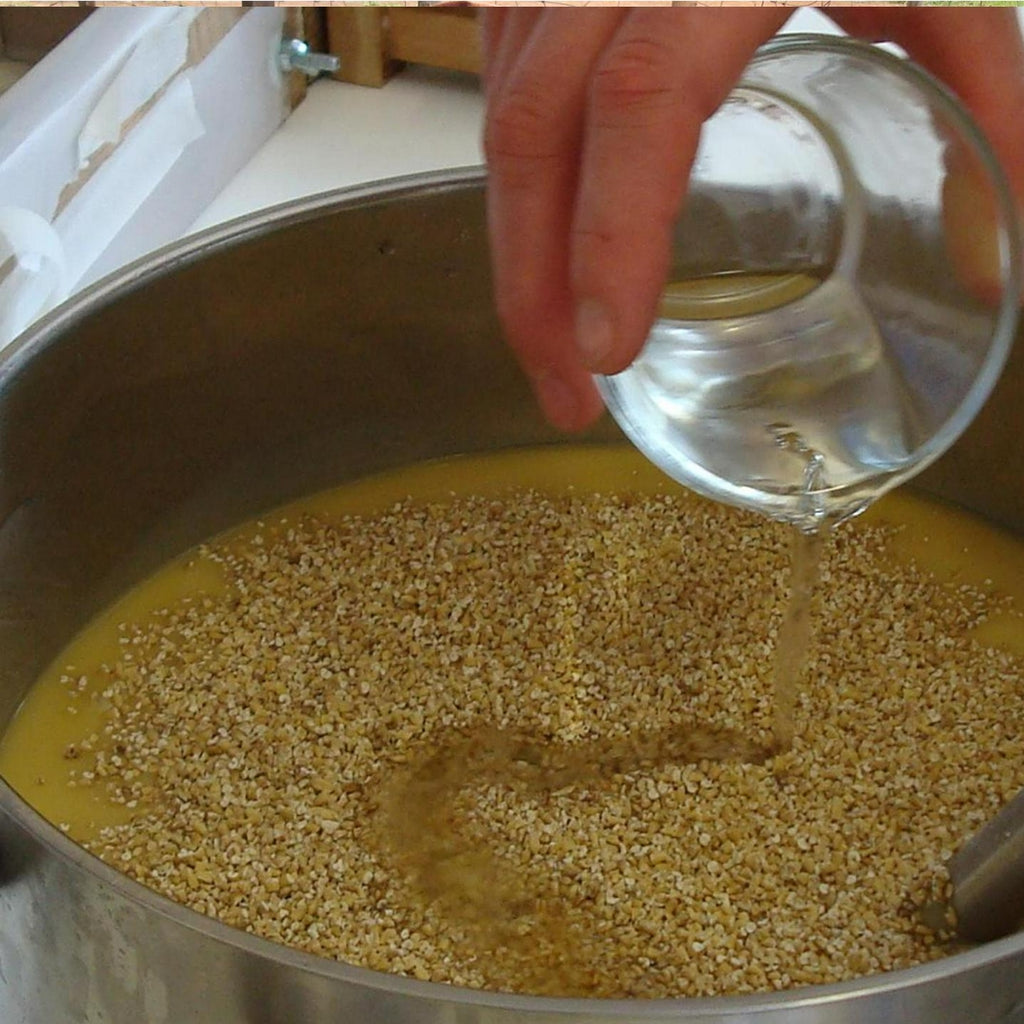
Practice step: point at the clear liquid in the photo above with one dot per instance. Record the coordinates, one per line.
(771, 392)
(795, 634)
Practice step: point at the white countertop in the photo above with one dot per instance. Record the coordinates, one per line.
(422, 120)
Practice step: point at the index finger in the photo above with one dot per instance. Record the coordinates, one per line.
(534, 117)
(658, 81)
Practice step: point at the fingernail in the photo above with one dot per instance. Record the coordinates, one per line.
(594, 334)
(557, 400)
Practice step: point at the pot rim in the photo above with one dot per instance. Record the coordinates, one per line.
(50, 331)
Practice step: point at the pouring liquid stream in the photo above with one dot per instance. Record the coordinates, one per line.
(750, 387)
(795, 634)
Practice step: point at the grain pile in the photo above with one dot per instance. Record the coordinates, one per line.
(470, 742)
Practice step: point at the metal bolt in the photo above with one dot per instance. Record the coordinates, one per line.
(295, 55)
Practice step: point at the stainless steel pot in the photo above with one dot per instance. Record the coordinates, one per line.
(274, 357)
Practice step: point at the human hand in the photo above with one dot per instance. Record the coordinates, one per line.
(593, 119)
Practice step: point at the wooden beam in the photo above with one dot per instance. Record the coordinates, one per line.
(438, 37)
(357, 36)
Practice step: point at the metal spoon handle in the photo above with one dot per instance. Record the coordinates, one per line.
(988, 877)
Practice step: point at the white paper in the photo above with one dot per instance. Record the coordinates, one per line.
(33, 270)
(120, 185)
(159, 138)
(156, 58)
(241, 97)
(42, 114)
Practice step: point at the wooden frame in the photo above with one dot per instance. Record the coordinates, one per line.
(374, 42)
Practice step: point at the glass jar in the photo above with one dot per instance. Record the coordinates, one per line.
(844, 288)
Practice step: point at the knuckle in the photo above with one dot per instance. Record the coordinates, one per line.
(605, 234)
(518, 129)
(591, 239)
(636, 75)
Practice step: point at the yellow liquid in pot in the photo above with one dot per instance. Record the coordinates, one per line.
(47, 751)
(57, 716)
